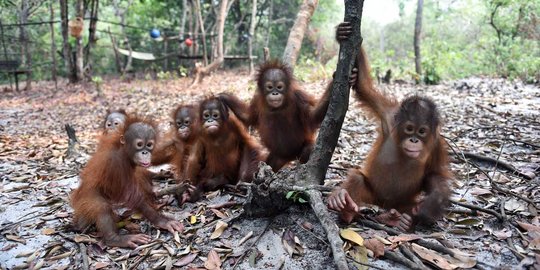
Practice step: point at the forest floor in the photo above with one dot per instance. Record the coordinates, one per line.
(492, 118)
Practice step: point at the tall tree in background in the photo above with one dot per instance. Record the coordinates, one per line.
(201, 72)
(94, 7)
(53, 46)
(66, 48)
(294, 43)
(79, 57)
(252, 34)
(417, 33)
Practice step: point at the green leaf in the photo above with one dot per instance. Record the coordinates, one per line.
(289, 194)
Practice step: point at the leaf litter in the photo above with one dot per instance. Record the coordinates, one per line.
(495, 118)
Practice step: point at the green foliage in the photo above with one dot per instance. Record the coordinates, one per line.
(97, 80)
(460, 38)
(296, 196)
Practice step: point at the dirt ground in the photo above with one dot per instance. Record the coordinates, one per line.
(495, 119)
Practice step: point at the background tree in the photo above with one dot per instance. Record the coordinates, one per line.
(417, 36)
(296, 34)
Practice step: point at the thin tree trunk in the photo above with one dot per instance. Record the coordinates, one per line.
(25, 48)
(66, 48)
(339, 100)
(116, 55)
(198, 10)
(182, 32)
(294, 43)
(166, 59)
(252, 34)
(79, 54)
(201, 72)
(417, 33)
(4, 48)
(53, 46)
(269, 24)
(94, 8)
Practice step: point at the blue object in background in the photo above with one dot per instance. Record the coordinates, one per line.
(154, 33)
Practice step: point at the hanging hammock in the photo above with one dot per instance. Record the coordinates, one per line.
(138, 55)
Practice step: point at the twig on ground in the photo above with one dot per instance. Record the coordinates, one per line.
(223, 205)
(512, 248)
(406, 249)
(477, 208)
(84, 254)
(427, 244)
(253, 244)
(312, 233)
(227, 220)
(371, 266)
(494, 185)
(399, 258)
(332, 233)
(497, 163)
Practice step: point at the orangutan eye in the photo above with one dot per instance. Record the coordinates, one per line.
(409, 128)
(215, 115)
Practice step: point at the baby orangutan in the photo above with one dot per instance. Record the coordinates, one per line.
(407, 168)
(112, 178)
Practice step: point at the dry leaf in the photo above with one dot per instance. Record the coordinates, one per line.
(352, 236)
(192, 219)
(432, 257)
(529, 227)
(100, 265)
(503, 234)
(376, 246)
(213, 261)
(403, 238)
(359, 253)
(218, 213)
(220, 228)
(48, 231)
(185, 260)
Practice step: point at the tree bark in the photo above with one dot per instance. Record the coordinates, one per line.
(417, 33)
(252, 34)
(339, 101)
(79, 49)
(25, 48)
(294, 43)
(201, 72)
(66, 48)
(269, 24)
(119, 12)
(197, 7)
(53, 47)
(94, 7)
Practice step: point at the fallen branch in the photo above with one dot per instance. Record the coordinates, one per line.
(370, 266)
(494, 185)
(223, 205)
(396, 257)
(406, 249)
(477, 208)
(84, 254)
(497, 163)
(332, 233)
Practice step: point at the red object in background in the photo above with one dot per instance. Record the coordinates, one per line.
(188, 42)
